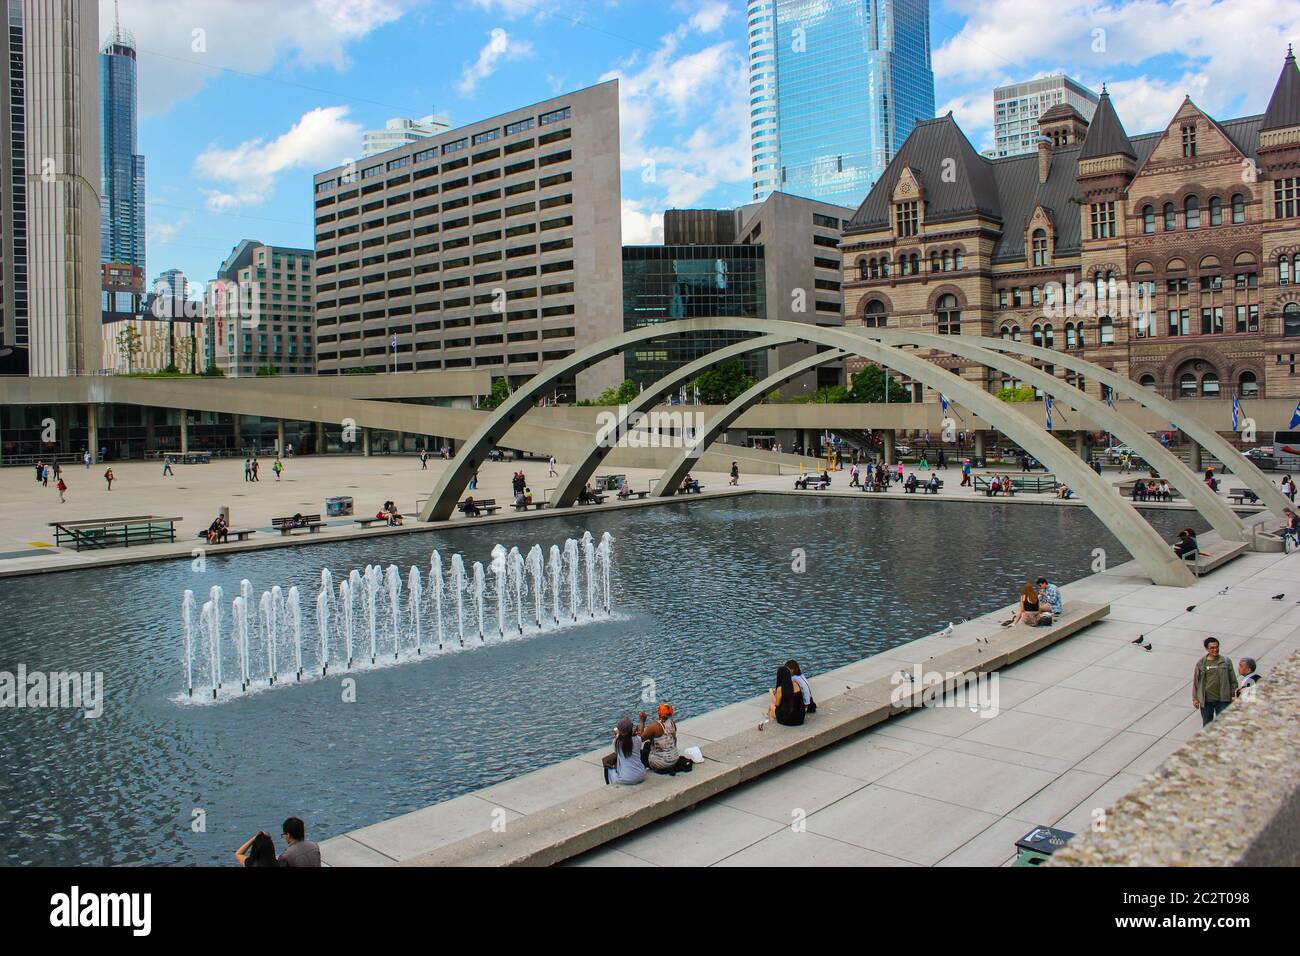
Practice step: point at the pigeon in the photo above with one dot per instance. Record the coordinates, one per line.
(1278, 597)
(1139, 640)
(906, 676)
(1146, 647)
(1191, 608)
(1224, 591)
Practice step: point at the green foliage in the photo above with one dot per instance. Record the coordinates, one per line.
(833, 395)
(869, 386)
(724, 384)
(213, 371)
(622, 395)
(267, 371)
(359, 371)
(1022, 394)
(500, 392)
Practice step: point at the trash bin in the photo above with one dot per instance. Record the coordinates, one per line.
(1037, 846)
(338, 506)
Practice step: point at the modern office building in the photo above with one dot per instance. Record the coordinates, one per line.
(1018, 107)
(400, 131)
(778, 259)
(1152, 255)
(122, 229)
(835, 88)
(50, 292)
(258, 312)
(493, 246)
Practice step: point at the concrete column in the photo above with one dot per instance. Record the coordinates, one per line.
(239, 437)
(1081, 445)
(320, 438)
(185, 431)
(365, 442)
(279, 437)
(979, 444)
(401, 440)
(888, 435)
(1194, 459)
(150, 439)
(92, 432)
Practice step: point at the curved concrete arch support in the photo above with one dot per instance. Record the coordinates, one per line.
(1207, 438)
(1213, 508)
(577, 475)
(719, 423)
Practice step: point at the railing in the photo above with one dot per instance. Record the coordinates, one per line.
(114, 532)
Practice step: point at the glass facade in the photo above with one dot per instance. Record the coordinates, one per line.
(122, 197)
(665, 283)
(835, 88)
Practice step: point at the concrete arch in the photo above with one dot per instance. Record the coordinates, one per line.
(1213, 508)
(1206, 437)
(577, 475)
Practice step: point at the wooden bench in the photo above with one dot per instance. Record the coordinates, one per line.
(287, 526)
(96, 533)
(803, 481)
(487, 506)
(535, 505)
(239, 534)
(596, 499)
(632, 494)
(982, 483)
(691, 490)
(932, 490)
(1244, 497)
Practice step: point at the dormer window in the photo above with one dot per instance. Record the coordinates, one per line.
(906, 218)
(1039, 244)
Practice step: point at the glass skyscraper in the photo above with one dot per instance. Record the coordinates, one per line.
(122, 176)
(835, 88)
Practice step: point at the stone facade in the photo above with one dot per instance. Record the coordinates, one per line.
(1170, 257)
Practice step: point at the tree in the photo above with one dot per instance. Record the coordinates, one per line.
(1022, 393)
(267, 371)
(832, 395)
(128, 344)
(724, 384)
(213, 371)
(500, 392)
(869, 386)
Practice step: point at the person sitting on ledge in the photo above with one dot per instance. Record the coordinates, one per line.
(796, 674)
(624, 765)
(995, 485)
(1029, 610)
(787, 707)
(1049, 599)
(528, 495)
(691, 484)
(301, 851)
(470, 508)
(623, 490)
(932, 486)
(659, 750)
(258, 851)
(911, 484)
(1187, 548)
(1063, 491)
(823, 481)
(394, 516)
(519, 498)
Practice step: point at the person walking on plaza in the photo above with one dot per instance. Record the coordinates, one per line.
(167, 466)
(85, 456)
(45, 476)
(108, 477)
(63, 487)
(1214, 682)
(278, 467)
(1288, 487)
(248, 469)
(550, 464)
(965, 473)
(735, 473)
(424, 459)
(473, 482)
(854, 482)
(256, 467)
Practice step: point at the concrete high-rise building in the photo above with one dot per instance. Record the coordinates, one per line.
(493, 246)
(122, 232)
(49, 189)
(835, 88)
(258, 311)
(400, 131)
(1018, 107)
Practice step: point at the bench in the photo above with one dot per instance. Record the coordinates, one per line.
(535, 505)
(690, 490)
(803, 481)
(239, 534)
(96, 533)
(287, 526)
(984, 484)
(487, 506)
(1244, 497)
(367, 522)
(632, 494)
(577, 824)
(1203, 563)
(593, 500)
(932, 490)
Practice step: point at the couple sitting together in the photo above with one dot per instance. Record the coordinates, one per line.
(1040, 605)
(652, 745)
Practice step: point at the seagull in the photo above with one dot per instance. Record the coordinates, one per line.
(1278, 597)
(947, 631)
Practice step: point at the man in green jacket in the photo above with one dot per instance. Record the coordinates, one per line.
(1214, 682)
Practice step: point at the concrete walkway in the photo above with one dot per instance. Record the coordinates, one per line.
(1080, 725)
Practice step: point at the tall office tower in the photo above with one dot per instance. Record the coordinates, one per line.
(258, 311)
(400, 131)
(49, 189)
(122, 191)
(1017, 108)
(835, 88)
(492, 246)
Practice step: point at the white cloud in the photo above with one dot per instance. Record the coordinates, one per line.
(641, 227)
(711, 16)
(193, 41)
(514, 9)
(247, 173)
(498, 48)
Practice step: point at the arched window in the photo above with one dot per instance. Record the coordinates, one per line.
(1038, 335)
(934, 262)
(1171, 217)
(948, 315)
(1291, 320)
(1105, 330)
(884, 268)
(1216, 211)
(1148, 219)
(1238, 209)
(1248, 385)
(1048, 338)
(1148, 381)
(957, 260)
(1083, 341)
(875, 268)
(1192, 212)
(1015, 333)
(1039, 242)
(1283, 270)
(916, 264)
(947, 261)
(863, 269)
(902, 265)
(874, 317)
(1071, 341)
(1187, 385)
(1210, 385)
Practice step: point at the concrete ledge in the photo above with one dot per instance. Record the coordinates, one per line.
(580, 823)
(1230, 796)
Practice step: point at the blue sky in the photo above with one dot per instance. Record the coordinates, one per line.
(243, 100)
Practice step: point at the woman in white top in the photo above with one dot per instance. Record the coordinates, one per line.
(624, 764)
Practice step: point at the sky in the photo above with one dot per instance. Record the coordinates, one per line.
(242, 101)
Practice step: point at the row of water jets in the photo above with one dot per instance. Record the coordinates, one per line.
(369, 620)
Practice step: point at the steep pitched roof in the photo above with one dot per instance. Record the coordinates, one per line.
(926, 150)
(1106, 136)
(1284, 106)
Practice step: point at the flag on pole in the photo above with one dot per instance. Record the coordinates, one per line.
(1295, 416)
(943, 401)
(1047, 408)
(1236, 413)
